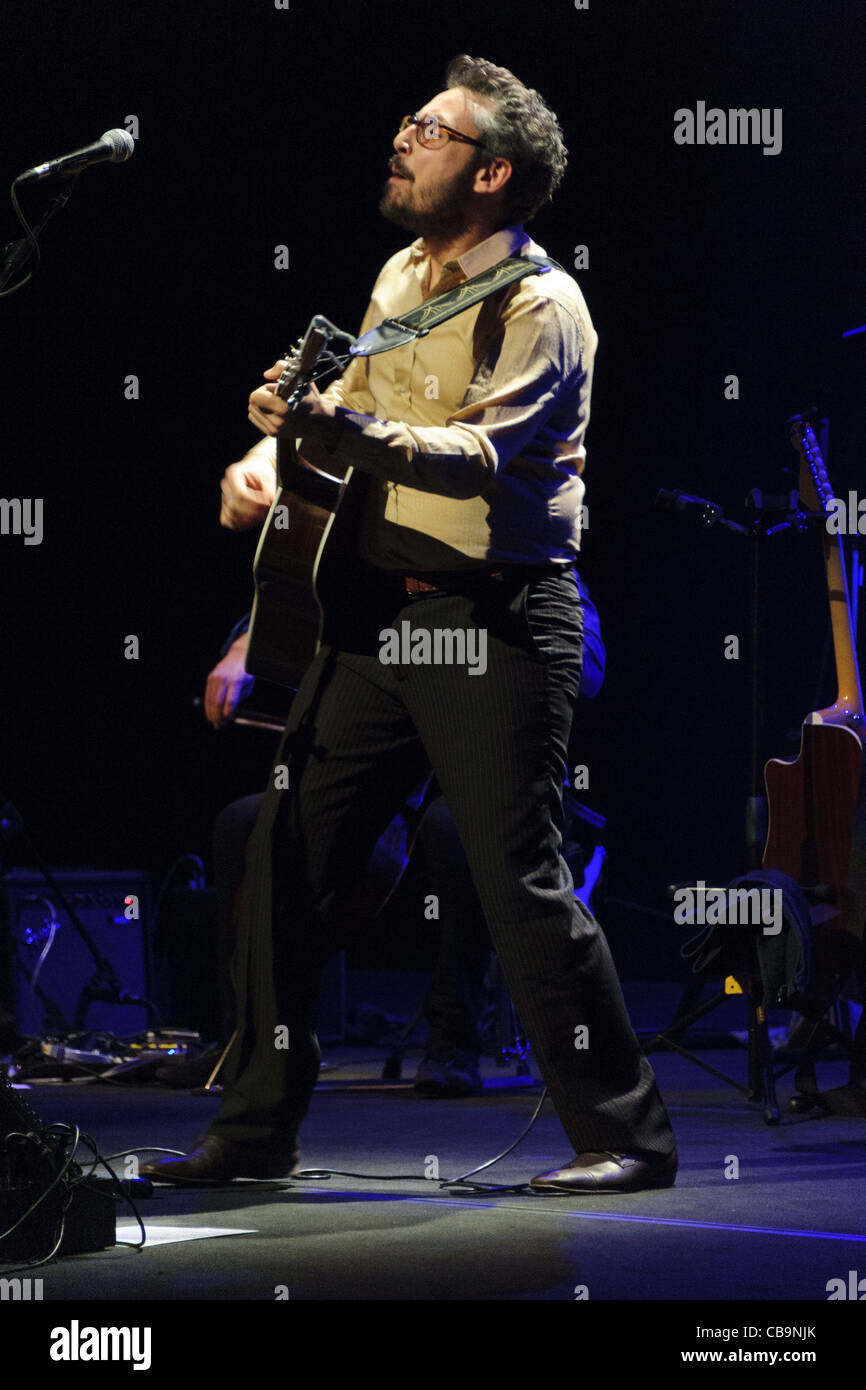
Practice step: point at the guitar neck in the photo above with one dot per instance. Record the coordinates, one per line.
(815, 487)
(844, 645)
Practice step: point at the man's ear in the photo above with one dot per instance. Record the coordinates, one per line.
(491, 177)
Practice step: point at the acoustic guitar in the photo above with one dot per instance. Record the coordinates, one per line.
(286, 616)
(812, 799)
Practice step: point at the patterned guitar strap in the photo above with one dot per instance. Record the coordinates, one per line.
(417, 323)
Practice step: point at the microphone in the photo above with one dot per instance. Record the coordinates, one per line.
(115, 146)
(708, 513)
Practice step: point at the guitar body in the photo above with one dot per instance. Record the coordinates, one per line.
(287, 617)
(811, 808)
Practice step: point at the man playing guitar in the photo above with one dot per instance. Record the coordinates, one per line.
(461, 514)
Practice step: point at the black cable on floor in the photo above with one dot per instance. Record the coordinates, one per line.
(481, 1189)
(311, 1174)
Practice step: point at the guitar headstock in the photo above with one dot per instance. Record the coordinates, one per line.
(815, 486)
(301, 360)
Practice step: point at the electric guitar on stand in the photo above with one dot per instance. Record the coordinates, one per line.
(813, 798)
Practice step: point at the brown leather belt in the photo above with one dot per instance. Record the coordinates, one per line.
(415, 587)
(419, 586)
(461, 580)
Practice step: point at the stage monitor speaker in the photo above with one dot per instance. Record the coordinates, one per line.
(50, 963)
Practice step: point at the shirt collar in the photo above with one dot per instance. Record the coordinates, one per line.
(508, 241)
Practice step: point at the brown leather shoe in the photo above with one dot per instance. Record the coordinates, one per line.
(608, 1172)
(219, 1161)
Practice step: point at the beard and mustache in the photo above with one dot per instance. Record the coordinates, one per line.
(439, 212)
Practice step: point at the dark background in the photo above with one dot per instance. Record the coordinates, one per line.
(261, 126)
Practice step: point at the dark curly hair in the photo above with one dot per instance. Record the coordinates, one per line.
(518, 126)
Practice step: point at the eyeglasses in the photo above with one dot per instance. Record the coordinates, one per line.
(433, 133)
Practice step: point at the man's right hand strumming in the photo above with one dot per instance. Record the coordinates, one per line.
(248, 489)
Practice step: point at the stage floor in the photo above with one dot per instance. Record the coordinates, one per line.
(788, 1224)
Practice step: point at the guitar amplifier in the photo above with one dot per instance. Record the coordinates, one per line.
(50, 965)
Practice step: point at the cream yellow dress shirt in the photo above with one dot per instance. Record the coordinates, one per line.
(474, 434)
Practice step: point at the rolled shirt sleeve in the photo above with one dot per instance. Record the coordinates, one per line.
(524, 400)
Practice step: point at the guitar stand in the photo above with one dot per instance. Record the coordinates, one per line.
(766, 516)
(808, 1096)
(821, 1033)
(745, 977)
(761, 1078)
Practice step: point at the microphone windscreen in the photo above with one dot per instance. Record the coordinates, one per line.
(121, 142)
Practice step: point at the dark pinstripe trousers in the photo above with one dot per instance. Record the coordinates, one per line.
(361, 734)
